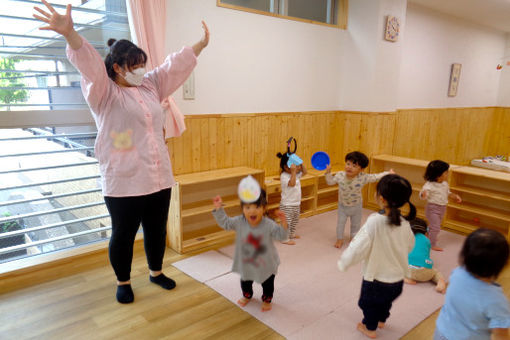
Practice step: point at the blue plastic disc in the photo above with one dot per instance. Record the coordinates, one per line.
(320, 160)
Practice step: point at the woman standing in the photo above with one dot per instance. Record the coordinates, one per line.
(133, 159)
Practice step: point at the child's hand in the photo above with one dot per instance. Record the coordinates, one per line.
(217, 202)
(423, 195)
(328, 168)
(458, 199)
(293, 168)
(391, 171)
(281, 215)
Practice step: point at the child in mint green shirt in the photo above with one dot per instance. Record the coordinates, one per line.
(420, 264)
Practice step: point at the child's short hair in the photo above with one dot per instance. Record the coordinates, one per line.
(484, 253)
(435, 169)
(284, 158)
(358, 158)
(419, 226)
(262, 200)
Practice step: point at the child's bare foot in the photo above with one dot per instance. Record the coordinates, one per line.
(436, 248)
(380, 324)
(266, 306)
(289, 242)
(243, 301)
(339, 243)
(363, 329)
(441, 286)
(409, 281)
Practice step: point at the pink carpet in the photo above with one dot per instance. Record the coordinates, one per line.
(312, 299)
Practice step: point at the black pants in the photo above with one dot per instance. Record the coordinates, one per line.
(267, 289)
(127, 213)
(376, 299)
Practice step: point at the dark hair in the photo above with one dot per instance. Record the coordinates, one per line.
(358, 158)
(396, 190)
(284, 158)
(262, 201)
(418, 226)
(484, 253)
(124, 53)
(435, 169)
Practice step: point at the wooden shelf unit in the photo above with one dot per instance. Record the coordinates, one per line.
(308, 190)
(485, 197)
(191, 225)
(485, 193)
(327, 195)
(409, 168)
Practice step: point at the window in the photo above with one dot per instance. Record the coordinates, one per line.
(50, 193)
(327, 12)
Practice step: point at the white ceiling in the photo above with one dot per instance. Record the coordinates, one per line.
(492, 13)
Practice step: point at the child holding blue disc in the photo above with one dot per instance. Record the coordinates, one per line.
(350, 182)
(292, 169)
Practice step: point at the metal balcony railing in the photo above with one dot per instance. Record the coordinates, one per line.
(49, 197)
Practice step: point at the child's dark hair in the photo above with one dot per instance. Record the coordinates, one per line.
(396, 190)
(358, 158)
(484, 253)
(124, 53)
(435, 169)
(418, 226)
(284, 158)
(262, 201)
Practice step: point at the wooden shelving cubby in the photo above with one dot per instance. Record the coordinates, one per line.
(409, 168)
(485, 200)
(191, 225)
(485, 193)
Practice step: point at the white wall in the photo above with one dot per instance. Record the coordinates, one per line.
(504, 84)
(256, 63)
(370, 65)
(431, 43)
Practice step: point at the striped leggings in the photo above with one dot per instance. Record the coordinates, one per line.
(292, 216)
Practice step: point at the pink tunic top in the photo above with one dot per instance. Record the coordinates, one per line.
(130, 145)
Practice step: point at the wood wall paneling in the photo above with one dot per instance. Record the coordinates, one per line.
(456, 135)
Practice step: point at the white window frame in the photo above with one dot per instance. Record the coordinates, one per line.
(279, 8)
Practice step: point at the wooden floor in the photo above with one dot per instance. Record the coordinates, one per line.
(83, 306)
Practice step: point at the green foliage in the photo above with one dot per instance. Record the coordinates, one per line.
(8, 79)
(9, 226)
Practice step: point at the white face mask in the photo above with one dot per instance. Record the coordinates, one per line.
(135, 78)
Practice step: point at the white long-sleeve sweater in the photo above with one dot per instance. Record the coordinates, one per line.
(382, 247)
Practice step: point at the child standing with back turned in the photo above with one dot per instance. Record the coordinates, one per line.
(350, 201)
(256, 258)
(475, 306)
(436, 191)
(383, 244)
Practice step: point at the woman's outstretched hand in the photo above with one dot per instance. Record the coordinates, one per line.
(62, 24)
(199, 46)
(59, 23)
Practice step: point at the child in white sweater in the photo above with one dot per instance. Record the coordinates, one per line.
(383, 244)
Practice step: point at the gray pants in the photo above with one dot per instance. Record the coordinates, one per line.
(355, 213)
